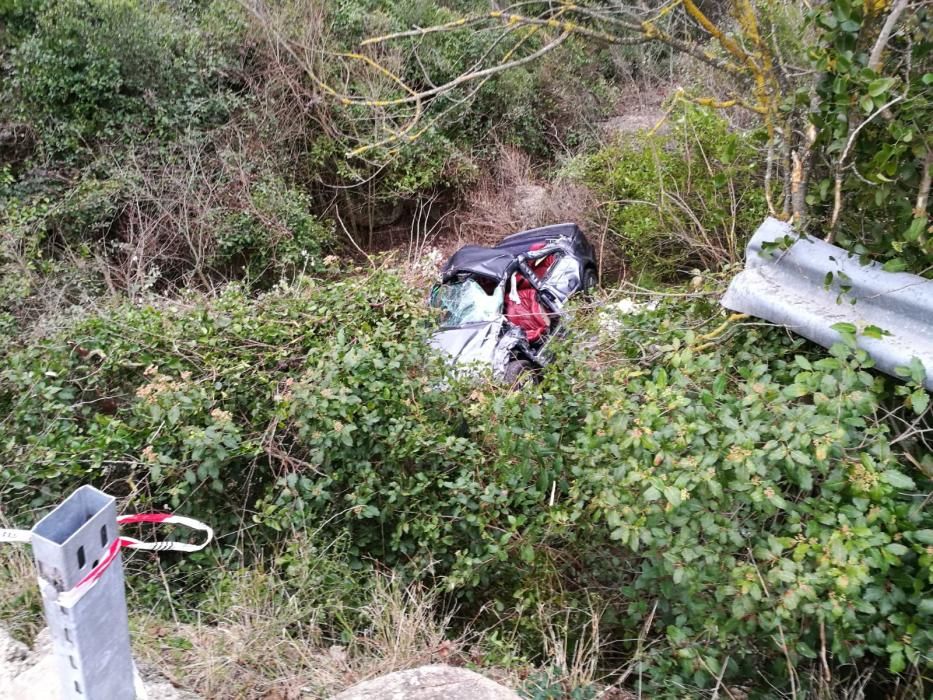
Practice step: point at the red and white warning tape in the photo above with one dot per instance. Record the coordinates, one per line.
(70, 597)
(14, 535)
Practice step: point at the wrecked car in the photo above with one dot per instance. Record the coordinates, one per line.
(500, 307)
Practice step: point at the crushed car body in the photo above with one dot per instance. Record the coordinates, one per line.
(500, 306)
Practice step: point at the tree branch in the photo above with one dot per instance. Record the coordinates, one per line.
(467, 77)
(510, 18)
(926, 179)
(875, 59)
(840, 167)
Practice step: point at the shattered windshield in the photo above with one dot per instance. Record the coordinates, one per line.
(467, 301)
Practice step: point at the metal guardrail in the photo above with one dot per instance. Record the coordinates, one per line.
(809, 286)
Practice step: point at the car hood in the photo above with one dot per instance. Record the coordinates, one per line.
(472, 343)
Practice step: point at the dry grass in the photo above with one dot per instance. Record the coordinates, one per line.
(269, 643)
(573, 647)
(20, 604)
(261, 638)
(512, 197)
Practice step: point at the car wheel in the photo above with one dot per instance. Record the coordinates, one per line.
(590, 281)
(517, 374)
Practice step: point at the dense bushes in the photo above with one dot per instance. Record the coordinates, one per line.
(747, 494)
(96, 69)
(174, 145)
(777, 477)
(684, 198)
(512, 106)
(734, 507)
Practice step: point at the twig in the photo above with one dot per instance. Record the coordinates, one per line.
(722, 671)
(642, 635)
(923, 192)
(840, 166)
(355, 244)
(826, 674)
(790, 667)
(874, 59)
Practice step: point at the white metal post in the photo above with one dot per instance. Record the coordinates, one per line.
(91, 634)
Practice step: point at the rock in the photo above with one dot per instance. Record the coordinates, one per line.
(635, 123)
(436, 682)
(13, 657)
(38, 682)
(33, 674)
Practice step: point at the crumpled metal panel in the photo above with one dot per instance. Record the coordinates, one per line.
(474, 342)
(477, 346)
(788, 287)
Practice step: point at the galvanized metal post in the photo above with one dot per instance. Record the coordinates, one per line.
(91, 637)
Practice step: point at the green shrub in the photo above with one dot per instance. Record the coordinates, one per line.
(96, 69)
(883, 176)
(748, 493)
(17, 21)
(140, 383)
(752, 491)
(682, 199)
(275, 235)
(549, 684)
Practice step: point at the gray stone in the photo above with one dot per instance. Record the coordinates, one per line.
(33, 674)
(437, 682)
(13, 656)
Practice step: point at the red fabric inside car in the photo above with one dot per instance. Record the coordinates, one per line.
(522, 307)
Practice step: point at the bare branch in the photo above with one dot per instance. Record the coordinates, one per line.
(875, 58)
(923, 193)
(840, 166)
(512, 18)
(467, 77)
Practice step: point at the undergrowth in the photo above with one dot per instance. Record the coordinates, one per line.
(752, 508)
(685, 197)
(669, 512)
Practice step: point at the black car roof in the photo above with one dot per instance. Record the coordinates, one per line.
(479, 260)
(521, 242)
(497, 262)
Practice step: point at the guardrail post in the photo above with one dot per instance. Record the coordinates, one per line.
(91, 638)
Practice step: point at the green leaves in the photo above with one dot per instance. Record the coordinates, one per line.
(881, 162)
(919, 401)
(640, 169)
(672, 494)
(740, 486)
(875, 332)
(897, 479)
(91, 68)
(879, 87)
(850, 26)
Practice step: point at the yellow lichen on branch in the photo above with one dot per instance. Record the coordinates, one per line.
(744, 55)
(708, 339)
(728, 44)
(510, 18)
